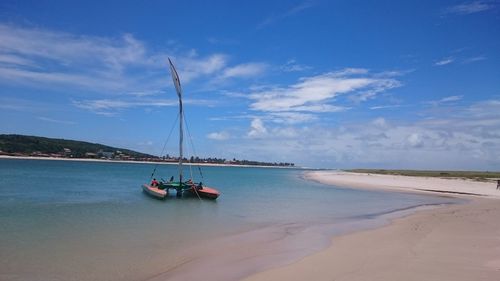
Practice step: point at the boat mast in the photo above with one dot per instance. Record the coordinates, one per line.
(181, 136)
(177, 84)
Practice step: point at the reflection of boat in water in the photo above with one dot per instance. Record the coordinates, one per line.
(161, 190)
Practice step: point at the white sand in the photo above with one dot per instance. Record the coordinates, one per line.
(404, 183)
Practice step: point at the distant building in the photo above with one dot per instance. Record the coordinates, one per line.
(90, 155)
(67, 152)
(105, 154)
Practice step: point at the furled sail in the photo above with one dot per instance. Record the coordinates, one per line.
(177, 83)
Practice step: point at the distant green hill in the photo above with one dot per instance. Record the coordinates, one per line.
(29, 145)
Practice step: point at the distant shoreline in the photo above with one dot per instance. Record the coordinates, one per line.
(142, 162)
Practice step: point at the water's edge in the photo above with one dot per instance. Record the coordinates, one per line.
(274, 246)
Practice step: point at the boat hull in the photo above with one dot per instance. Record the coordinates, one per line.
(154, 192)
(205, 192)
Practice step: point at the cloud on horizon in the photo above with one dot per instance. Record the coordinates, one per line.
(469, 137)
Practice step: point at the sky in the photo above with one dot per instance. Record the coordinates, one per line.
(324, 84)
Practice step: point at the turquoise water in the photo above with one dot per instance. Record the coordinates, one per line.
(70, 220)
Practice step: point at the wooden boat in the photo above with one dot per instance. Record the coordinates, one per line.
(182, 187)
(155, 191)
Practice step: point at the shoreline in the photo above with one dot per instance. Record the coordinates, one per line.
(270, 248)
(273, 246)
(140, 162)
(451, 242)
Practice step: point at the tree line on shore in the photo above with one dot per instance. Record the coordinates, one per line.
(20, 145)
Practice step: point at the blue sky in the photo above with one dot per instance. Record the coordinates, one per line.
(336, 84)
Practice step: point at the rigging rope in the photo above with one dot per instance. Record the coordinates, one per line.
(192, 145)
(190, 167)
(165, 144)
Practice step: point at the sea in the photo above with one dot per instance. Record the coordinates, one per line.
(80, 220)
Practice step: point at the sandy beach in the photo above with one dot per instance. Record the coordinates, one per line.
(431, 185)
(457, 242)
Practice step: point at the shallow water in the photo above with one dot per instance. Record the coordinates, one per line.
(70, 220)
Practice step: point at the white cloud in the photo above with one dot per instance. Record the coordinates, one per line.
(444, 61)
(54, 59)
(257, 128)
(450, 60)
(58, 79)
(474, 59)
(291, 117)
(51, 120)
(469, 8)
(16, 60)
(220, 136)
(292, 66)
(109, 70)
(415, 140)
(380, 122)
(313, 94)
(51, 58)
(320, 108)
(111, 107)
(384, 106)
(192, 67)
(285, 132)
(145, 93)
(309, 97)
(451, 98)
(64, 48)
(445, 100)
(244, 70)
(108, 104)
